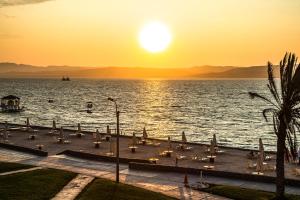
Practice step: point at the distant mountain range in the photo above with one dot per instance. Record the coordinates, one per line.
(12, 70)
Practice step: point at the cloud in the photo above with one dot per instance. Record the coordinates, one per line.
(4, 3)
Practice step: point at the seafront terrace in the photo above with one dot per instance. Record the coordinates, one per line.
(161, 152)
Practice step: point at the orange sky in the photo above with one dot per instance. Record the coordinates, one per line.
(105, 33)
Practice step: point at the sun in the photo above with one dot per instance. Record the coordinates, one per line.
(155, 37)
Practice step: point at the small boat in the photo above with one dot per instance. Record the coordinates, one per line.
(65, 78)
(89, 106)
(11, 104)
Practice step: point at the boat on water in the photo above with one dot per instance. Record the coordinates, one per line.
(89, 106)
(65, 78)
(11, 104)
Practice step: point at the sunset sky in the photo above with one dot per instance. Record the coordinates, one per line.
(106, 32)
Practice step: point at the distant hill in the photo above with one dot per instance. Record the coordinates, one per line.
(241, 72)
(12, 70)
(13, 67)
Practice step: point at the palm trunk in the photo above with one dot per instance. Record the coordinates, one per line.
(280, 180)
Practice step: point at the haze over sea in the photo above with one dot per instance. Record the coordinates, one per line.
(165, 107)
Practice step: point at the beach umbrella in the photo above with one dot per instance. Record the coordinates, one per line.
(108, 130)
(212, 148)
(183, 137)
(145, 135)
(112, 146)
(259, 163)
(98, 137)
(261, 149)
(133, 139)
(79, 128)
(61, 132)
(169, 142)
(201, 177)
(5, 134)
(53, 124)
(27, 122)
(5, 126)
(215, 140)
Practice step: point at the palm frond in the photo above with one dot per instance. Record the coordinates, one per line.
(296, 82)
(281, 67)
(272, 86)
(275, 124)
(256, 95)
(289, 75)
(269, 110)
(292, 138)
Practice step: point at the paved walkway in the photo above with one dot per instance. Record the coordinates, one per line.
(167, 183)
(74, 187)
(20, 171)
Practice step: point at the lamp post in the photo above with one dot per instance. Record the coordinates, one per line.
(118, 133)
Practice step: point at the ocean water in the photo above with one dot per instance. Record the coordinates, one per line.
(165, 107)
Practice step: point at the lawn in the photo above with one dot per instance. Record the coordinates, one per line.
(7, 166)
(108, 190)
(239, 193)
(34, 185)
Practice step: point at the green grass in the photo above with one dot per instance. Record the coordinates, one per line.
(34, 185)
(239, 193)
(105, 189)
(7, 166)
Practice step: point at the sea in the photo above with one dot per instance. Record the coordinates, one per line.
(165, 108)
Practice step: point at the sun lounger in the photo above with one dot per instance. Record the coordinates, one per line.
(66, 141)
(267, 158)
(156, 144)
(269, 167)
(251, 165)
(183, 147)
(53, 132)
(181, 157)
(162, 153)
(296, 171)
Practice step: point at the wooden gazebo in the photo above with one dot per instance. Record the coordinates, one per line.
(10, 103)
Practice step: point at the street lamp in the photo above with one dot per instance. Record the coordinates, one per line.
(118, 133)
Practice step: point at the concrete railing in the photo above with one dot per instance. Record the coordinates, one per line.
(224, 174)
(95, 157)
(24, 149)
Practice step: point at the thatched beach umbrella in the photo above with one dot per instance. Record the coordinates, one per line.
(215, 140)
(145, 135)
(212, 148)
(133, 139)
(183, 137)
(261, 149)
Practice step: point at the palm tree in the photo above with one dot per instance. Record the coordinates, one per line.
(285, 112)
